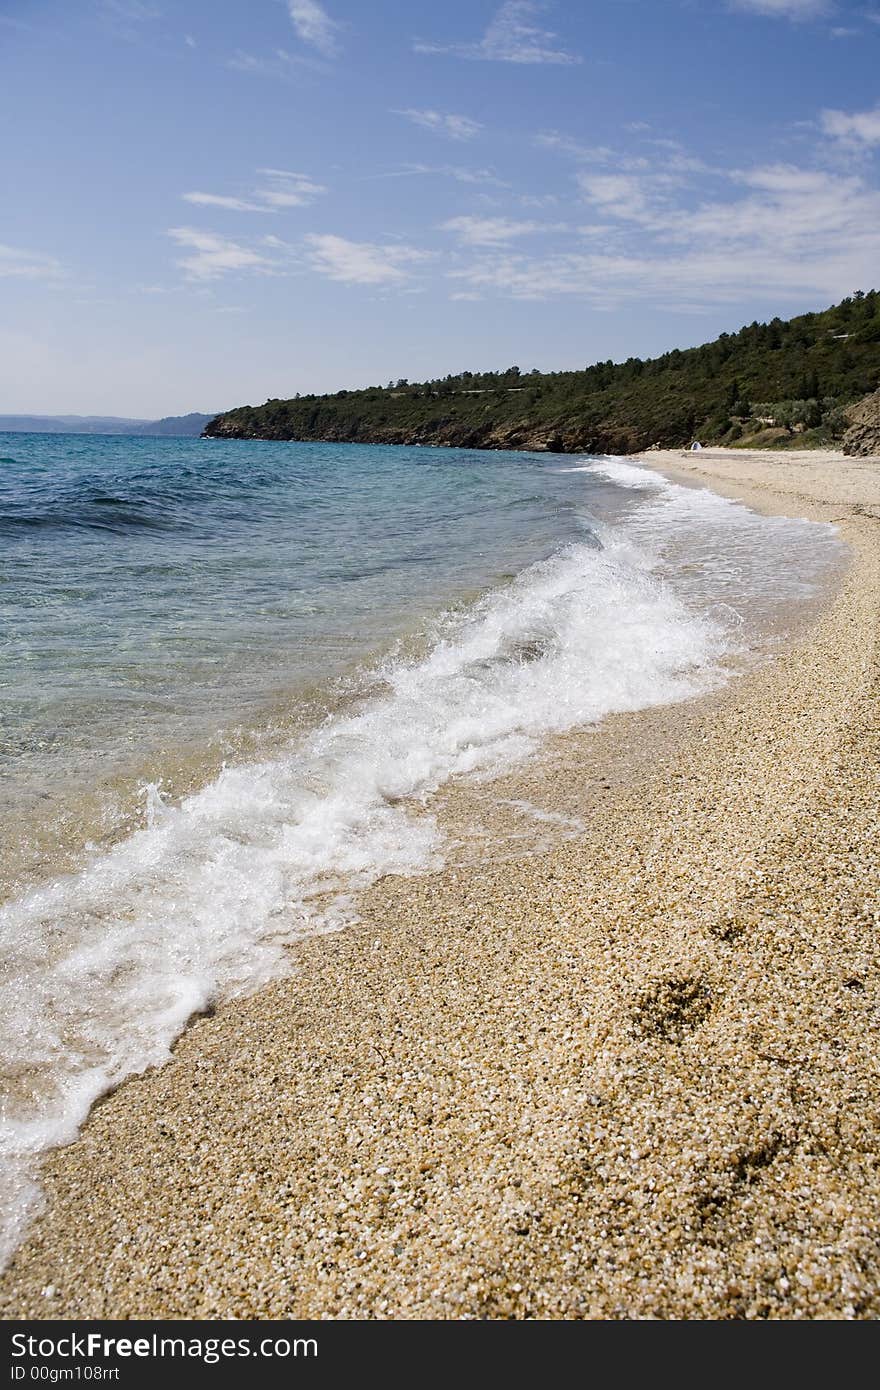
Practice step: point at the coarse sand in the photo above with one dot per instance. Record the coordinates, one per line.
(629, 1071)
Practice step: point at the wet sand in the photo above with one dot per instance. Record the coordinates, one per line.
(627, 1071)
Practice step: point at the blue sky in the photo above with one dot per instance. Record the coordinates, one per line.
(208, 202)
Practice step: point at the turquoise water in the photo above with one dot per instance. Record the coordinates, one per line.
(233, 676)
(153, 591)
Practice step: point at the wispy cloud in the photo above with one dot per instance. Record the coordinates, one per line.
(618, 195)
(246, 62)
(16, 263)
(456, 127)
(786, 9)
(362, 263)
(644, 194)
(218, 200)
(786, 232)
(537, 200)
(288, 190)
(511, 37)
(494, 231)
(134, 11)
(282, 189)
(449, 171)
(565, 144)
(638, 186)
(125, 17)
(212, 256)
(314, 26)
(279, 64)
(857, 129)
(675, 158)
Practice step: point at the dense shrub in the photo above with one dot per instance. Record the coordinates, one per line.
(770, 379)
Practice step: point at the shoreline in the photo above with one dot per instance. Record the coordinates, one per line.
(630, 1075)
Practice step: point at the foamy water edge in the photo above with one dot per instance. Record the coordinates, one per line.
(107, 966)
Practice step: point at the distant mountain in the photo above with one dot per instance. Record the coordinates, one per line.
(771, 384)
(69, 424)
(102, 424)
(175, 425)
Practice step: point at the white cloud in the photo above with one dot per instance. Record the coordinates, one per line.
(314, 26)
(451, 171)
(553, 140)
(537, 200)
(217, 200)
(279, 64)
(132, 11)
(18, 264)
(788, 233)
(284, 190)
(857, 128)
(786, 9)
(644, 195)
(248, 62)
(288, 190)
(511, 37)
(676, 160)
(124, 17)
(493, 231)
(617, 195)
(213, 255)
(361, 263)
(456, 127)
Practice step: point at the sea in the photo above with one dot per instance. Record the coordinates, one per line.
(233, 675)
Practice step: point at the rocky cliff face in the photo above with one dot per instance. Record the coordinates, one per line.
(863, 436)
(606, 439)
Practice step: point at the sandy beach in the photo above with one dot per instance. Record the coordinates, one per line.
(627, 1073)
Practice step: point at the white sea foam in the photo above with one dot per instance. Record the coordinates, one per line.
(103, 969)
(720, 556)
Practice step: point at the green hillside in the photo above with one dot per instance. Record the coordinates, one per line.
(778, 384)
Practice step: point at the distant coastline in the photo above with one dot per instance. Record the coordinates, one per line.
(171, 425)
